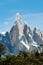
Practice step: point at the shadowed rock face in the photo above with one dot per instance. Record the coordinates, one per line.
(14, 33)
(28, 33)
(37, 36)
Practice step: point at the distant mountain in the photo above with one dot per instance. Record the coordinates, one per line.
(22, 39)
(38, 36)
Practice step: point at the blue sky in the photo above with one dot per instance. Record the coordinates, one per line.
(30, 10)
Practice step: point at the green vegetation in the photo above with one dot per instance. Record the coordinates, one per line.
(23, 58)
(2, 50)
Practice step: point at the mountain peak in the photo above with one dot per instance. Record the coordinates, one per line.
(22, 38)
(18, 17)
(37, 31)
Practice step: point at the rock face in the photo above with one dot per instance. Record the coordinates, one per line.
(28, 33)
(16, 30)
(14, 33)
(19, 24)
(5, 40)
(22, 39)
(37, 36)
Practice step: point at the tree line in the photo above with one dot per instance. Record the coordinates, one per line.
(23, 58)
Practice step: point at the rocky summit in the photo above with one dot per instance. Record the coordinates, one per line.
(22, 38)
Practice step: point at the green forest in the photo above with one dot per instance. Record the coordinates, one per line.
(23, 58)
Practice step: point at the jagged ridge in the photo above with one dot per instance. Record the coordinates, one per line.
(22, 39)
